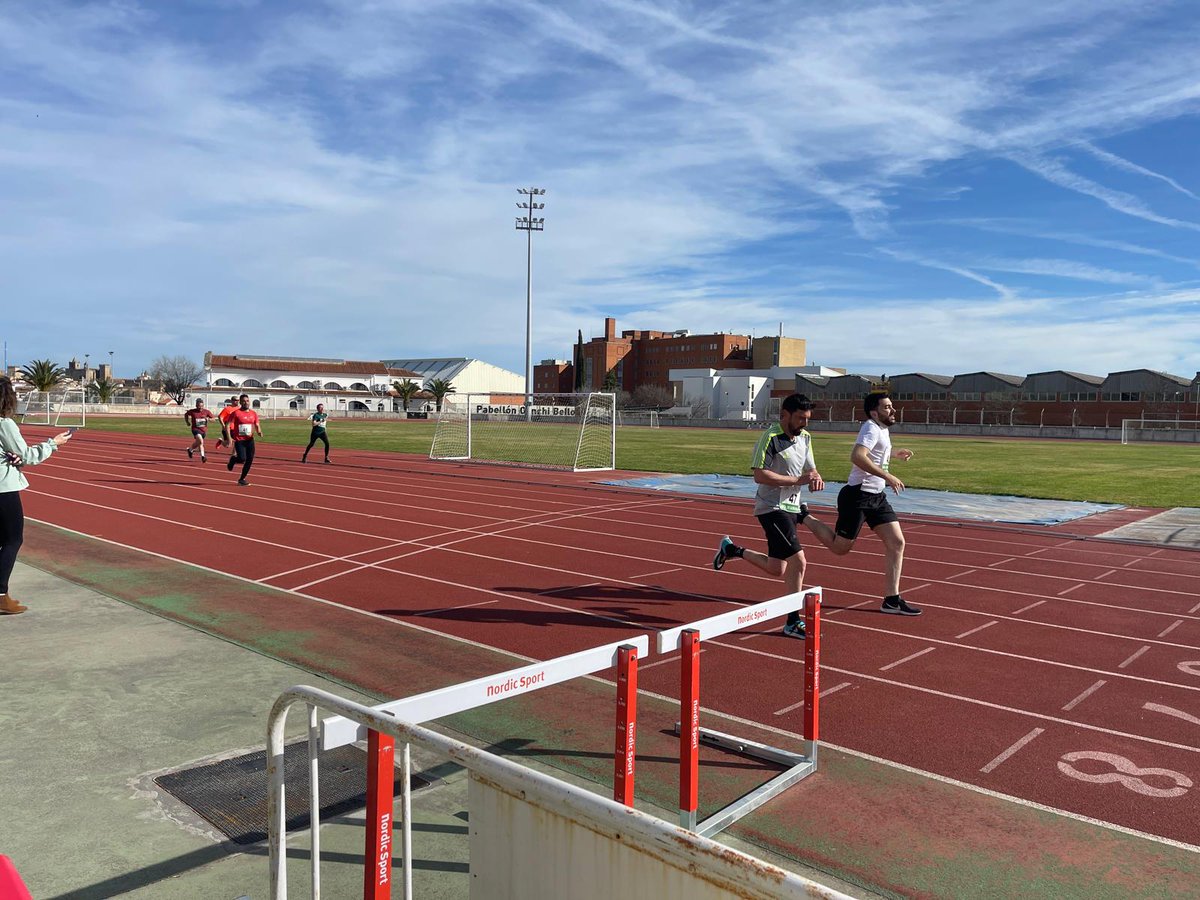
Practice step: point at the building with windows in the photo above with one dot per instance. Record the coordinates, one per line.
(635, 358)
(298, 383)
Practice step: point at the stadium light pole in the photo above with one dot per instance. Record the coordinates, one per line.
(529, 223)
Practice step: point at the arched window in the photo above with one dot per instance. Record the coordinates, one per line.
(332, 386)
(358, 405)
(256, 404)
(359, 386)
(306, 385)
(223, 382)
(293, 405)
(252, 383)
(279, 384)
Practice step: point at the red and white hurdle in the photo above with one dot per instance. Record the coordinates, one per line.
(687, 639)
(338, 731)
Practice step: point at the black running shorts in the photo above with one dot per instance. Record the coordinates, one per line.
(780, 528)
(856, 506)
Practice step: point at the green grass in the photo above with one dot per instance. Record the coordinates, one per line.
(1160, 475)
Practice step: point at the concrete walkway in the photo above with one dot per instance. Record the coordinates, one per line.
(101, 697)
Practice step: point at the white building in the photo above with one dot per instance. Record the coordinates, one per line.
(283, 383)
(738, 393)
(469, 376)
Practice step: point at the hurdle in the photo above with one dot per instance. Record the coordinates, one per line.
(337, 731)
(687, 639)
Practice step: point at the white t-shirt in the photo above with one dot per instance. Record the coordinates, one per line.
(878, 442)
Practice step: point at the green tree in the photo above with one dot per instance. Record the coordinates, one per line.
(43, 374)
(439, 387)
(406, 390)
(610, 382)
(176, 374)
(103, 390)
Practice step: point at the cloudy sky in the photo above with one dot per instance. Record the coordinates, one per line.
(929, 186)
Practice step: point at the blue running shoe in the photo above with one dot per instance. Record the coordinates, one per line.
(722, 553)
(794, 629)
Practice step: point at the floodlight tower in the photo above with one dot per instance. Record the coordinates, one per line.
(529, 223)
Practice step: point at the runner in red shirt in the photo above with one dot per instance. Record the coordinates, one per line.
(242, 425)
(197, 420)
(223, 415)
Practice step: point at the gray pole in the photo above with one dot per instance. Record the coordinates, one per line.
(529, 224)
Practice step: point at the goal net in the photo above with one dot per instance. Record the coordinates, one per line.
(1140, 430)
(646, 418)
(557, 431)
(66, 406)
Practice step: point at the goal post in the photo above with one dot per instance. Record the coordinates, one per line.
(557, 431)
(1152, 430)
(61, 406)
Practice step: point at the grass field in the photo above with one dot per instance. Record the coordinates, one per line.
(1159, 475)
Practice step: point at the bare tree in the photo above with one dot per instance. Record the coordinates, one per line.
(651, 396)
(176, 374)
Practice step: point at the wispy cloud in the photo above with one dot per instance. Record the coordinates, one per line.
(345, 172)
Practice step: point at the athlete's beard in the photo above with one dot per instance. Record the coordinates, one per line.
(887, 421)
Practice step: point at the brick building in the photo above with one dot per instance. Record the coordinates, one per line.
(635, 358)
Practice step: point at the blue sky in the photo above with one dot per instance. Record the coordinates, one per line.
(909, 186)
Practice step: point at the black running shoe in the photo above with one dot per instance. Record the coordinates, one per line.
(722, 553)
(794, 629)
(189, 452)
(243, 482)
(898, 607)
(229, 465)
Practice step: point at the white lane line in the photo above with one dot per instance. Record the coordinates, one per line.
(959, 637)
(674, 657)
(1029, 607)
(1136, 654)
(434, 612)
(1003, 561)
(1095, 687)
(1104, 575)
(662, 572)
(1011, 750)
(824, 693)
(961, 574)
(1138, 559)
(1171, 711)
(1073, 587)
(1194, 609)
(1170, 628)
(906, 659)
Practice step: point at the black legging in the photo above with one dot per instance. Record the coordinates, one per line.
(243, 452)
(12, 534)
(318, 434)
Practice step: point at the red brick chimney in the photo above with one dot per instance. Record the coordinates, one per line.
(610, 329)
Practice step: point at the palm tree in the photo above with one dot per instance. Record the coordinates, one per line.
(43, 374)
(406, 390)
(103, 390)
(439, 387)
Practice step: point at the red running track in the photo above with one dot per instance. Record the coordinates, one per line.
(1048, 668)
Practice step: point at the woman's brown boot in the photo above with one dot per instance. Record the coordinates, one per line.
(9, 606)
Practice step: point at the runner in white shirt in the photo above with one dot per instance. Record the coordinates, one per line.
(864, 499)
(782, 464)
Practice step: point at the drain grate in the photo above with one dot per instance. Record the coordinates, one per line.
(232, 793)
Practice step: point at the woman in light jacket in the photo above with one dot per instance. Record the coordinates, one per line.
(15, 453)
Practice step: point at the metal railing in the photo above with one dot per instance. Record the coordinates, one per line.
(629, 842)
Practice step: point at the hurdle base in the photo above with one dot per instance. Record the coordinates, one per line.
(799, 765)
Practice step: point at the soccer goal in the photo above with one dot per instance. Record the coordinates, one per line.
(645, 418)
(64, 407)
(557, 431)
(1142, 430)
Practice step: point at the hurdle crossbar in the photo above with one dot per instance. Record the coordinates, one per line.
(337, 731)
(687, 639)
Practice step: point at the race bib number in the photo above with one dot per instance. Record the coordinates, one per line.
(790, 502)
(245, 430)
(199, 423)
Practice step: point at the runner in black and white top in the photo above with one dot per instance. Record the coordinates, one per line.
(782, 465)
(320, 424)
(864, 499)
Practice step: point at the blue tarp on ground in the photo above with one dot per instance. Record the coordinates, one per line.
(981, 507)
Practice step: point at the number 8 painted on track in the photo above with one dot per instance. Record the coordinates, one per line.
(1126, 774)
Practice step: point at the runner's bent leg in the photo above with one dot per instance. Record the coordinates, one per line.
(248, 448)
